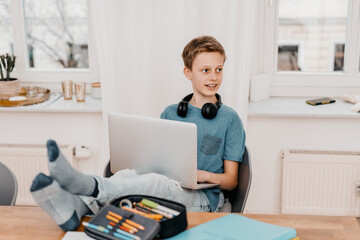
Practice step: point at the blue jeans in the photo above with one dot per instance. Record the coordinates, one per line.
(127, 182)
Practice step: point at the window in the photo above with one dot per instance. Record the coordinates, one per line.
(50, 39)
(57, 33)
(317, 23)
(311, 47)
(6, 39)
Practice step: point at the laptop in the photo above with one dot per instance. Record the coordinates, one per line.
(151, 145)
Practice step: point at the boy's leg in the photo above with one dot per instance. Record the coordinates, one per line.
(65, 208)
(101, 191)
(151, 184)
(69, 178)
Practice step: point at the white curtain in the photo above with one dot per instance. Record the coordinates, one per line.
(138, 44)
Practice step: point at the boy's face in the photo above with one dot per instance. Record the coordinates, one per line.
(206, 74)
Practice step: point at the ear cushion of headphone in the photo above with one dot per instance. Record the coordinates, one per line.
(182, 109)
(209, 110)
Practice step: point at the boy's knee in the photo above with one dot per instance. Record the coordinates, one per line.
(126, 173)
(155, 178)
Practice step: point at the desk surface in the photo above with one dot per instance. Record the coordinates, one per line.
(33, 223)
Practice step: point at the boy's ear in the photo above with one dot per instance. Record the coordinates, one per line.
(187, 73)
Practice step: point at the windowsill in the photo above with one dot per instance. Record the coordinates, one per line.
(296, 107)
(90, 105)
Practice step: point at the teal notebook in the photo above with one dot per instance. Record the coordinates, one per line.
(234, 226)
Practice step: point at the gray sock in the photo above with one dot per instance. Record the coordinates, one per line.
(65, 208)
(69, 178)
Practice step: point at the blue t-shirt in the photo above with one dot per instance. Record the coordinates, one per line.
(218, 139)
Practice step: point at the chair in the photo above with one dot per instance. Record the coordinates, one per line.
(238, 196)
(8, 186)
(107, 172)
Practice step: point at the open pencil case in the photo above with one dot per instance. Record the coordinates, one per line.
(154, 227)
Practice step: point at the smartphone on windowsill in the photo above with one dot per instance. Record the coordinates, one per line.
(320, 101)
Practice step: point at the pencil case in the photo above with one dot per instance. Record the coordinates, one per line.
(168, 227)
(104, 226)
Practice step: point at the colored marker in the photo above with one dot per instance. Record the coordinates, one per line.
(126, 229)
(134, 224)
(115, 215)
(128, 234)
(152, 216)
(155, 205)
(152, 210)
(121, 236)
(137, 225)
(96, 227)
(112, 218)
(129, 227)
(113, 222)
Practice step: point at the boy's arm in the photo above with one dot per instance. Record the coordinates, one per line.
(227, 180)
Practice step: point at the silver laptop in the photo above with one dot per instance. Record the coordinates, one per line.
(151, 145)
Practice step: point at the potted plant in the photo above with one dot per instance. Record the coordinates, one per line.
(8, 86)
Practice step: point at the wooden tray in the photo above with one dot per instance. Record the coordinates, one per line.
(28, 101)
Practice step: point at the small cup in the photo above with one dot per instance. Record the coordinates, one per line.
(31, 92)
(40, 91)
(96, 90)
(80, 91)
(67, 87)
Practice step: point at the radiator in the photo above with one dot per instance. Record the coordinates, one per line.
(321, 182)
(26, 161)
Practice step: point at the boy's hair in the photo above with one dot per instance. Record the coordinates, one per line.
(199, 45)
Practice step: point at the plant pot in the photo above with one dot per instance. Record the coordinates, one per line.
(9, 88)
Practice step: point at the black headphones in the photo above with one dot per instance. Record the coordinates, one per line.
(208, 111)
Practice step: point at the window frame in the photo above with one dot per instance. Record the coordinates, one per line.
(33, 75)
(287, 83)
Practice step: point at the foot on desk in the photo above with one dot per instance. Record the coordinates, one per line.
(68, 177)
(65, 208)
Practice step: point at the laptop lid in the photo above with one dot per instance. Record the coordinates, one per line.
(154, 145)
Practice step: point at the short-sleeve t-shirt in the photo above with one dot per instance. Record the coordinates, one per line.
(218, 139)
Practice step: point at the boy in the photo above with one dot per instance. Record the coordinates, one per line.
(67, 194)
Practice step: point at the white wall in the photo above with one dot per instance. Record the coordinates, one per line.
(268, 136)
(64, 127)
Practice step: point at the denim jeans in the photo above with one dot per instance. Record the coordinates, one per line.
(128, 181)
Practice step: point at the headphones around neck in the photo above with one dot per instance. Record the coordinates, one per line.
(208, 111)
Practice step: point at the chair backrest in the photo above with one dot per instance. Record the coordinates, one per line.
(8, 186)
(238, 196)
(107, 172)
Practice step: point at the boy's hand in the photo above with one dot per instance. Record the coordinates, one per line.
(227, 180)
(203, 176)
